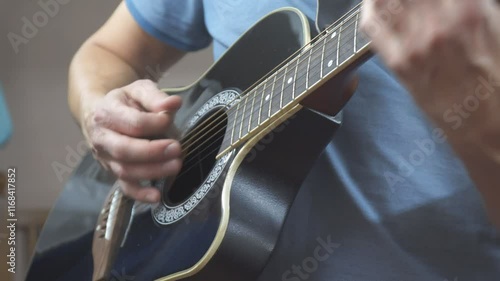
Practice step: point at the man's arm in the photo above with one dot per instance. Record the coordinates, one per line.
(116, 111)
(447, 53)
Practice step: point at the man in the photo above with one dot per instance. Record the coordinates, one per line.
(392, 197)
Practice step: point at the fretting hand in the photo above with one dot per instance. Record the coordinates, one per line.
(444, 52)
(447, 53)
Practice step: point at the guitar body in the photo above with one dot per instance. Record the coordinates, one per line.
(221, 218)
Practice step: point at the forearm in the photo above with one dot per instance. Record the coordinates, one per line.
(94, 72)
(485, 171)
(479, 148)
(119, 53)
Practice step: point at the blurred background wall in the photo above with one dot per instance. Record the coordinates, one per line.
(34, 78)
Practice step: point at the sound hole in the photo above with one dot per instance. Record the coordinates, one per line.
(204, 143)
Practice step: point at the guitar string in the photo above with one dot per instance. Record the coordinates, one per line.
(243, 119)
(211, 138)
(332, 28)
(321, 42)
(285, 88)
(247, 116)
(199, 153)
(218, 139)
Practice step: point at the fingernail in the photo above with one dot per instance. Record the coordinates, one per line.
(170, 149)
(164, 112)
(151, 197)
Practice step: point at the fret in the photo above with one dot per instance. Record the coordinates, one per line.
(334, 48)
(248, 113)
(308, 69)
(338, 44)
(254, 118)
(295, 77)
(265, 102)
(331, 53)
(356, 33)
(231, 116)
(299, 75)
(362, 40)
(275, 99)
(347, 40)
(285, 78)
(323, 57)
(315, 65)
(302, 73)
(242, 116)
(289, 84)
(262, 102)
(235, 121)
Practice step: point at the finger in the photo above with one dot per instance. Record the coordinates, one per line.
(135, 172)
(384, 40)
(140, 193)
(147, 94)
(113, 146)
(132, 122)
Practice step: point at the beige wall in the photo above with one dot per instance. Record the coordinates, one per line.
(35, 85)
(35, 82)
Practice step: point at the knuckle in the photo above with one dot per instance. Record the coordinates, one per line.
(119, 153)
(134, 126)
(118, 149)
(438, 39)
(97, 145)
(144, 83)
(101, 116)
(115, 93)
(119, 171)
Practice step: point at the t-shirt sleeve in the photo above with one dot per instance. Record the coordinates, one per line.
(179, 23)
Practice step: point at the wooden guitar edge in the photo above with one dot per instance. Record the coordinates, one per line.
(109, 232)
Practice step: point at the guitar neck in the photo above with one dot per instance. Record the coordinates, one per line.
(338, 47)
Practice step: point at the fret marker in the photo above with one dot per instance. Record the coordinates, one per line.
(290, 80)
(267, 97)
(334, 34)
(330, 63)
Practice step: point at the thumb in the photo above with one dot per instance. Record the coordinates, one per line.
(147, 94)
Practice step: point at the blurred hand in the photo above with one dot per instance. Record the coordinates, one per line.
(119, 128)
(447, 53)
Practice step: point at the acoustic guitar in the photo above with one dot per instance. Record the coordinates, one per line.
(250, 141)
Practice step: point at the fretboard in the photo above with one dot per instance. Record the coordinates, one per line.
(336, 48)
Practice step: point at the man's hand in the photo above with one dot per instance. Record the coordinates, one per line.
(119, 128)
(447, 53)
(438, 48)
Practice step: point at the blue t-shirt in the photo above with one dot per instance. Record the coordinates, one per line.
(387, 200)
